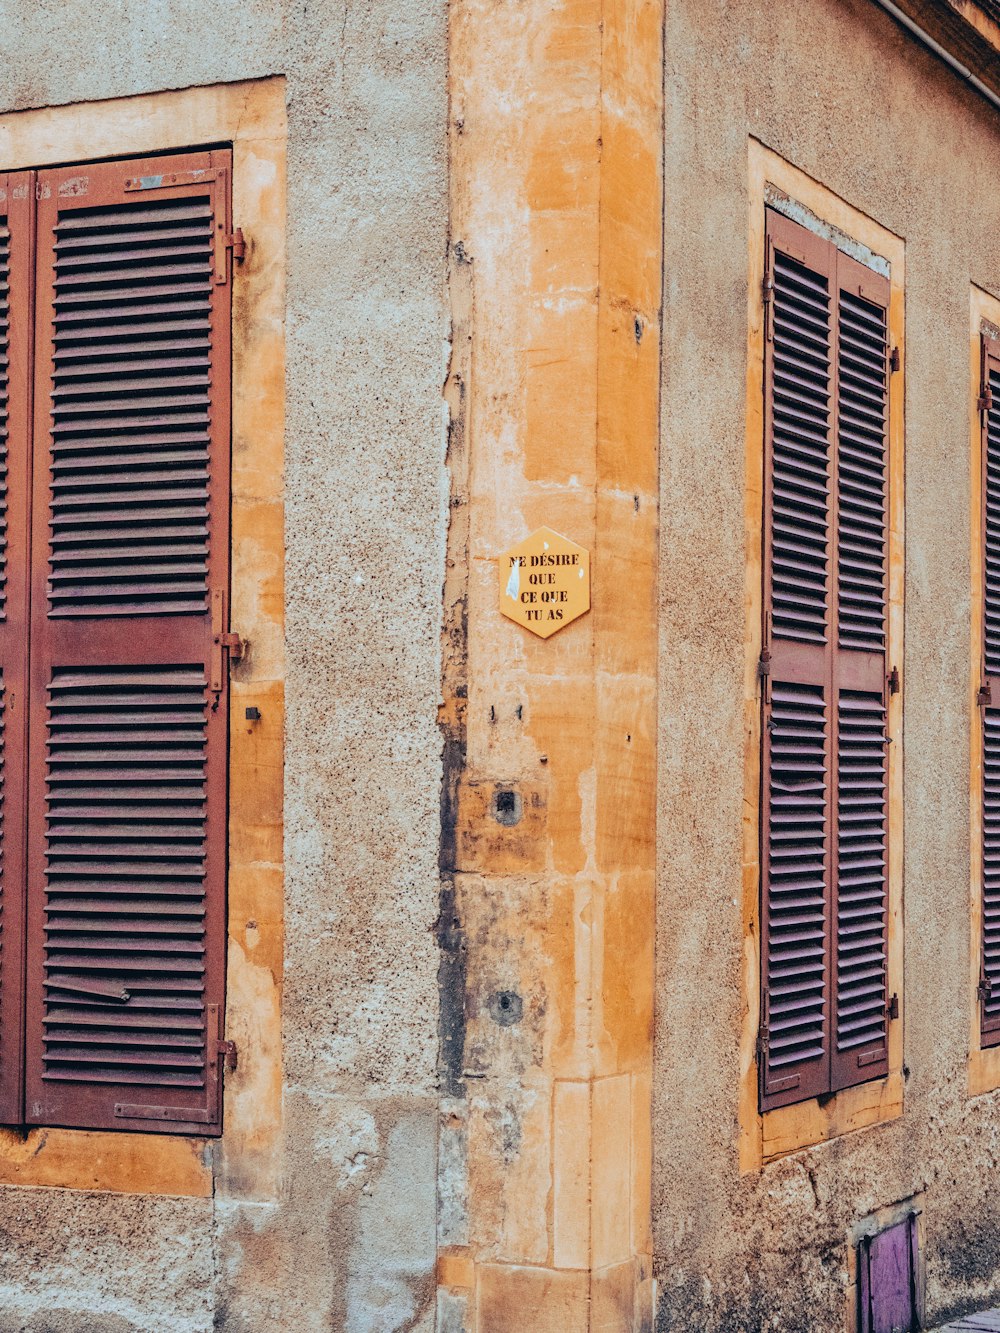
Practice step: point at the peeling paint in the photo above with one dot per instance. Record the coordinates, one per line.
(799, 213)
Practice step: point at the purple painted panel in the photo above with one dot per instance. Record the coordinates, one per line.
(888, 1280)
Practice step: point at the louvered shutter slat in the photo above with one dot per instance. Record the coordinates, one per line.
(825, 790)
(990, 724)
(800, 420)
(796, 876)
(16, 232)
(5, 295)
(861, 448)
(9, 943)
(861, 871)
(991, 875)
(131, 554)
(795, 908)
(859, 672)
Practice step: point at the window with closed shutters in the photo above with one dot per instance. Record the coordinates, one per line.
(989, 695)
(824, 670)
(114, 642)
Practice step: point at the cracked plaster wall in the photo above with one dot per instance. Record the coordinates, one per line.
(349, 1244)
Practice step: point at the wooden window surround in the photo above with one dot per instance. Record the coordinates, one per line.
(181, 1157)
(984, 691)
(824, 1059)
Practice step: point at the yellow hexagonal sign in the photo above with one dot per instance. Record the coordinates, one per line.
(545, 582)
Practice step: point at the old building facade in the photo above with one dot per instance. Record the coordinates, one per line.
(368, 961)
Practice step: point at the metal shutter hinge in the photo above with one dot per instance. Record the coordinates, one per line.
(764, 674)
(892, 680)
(233, 644)
(227, 1049)
(224, 643)
(238, 245)
(768, 298)
(892, 1007)
(985, 400)
(985, 990)
(985, 696)
(219, 1047)
(760, 1049)
(893, 360)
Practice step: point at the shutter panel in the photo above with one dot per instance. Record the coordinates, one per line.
(990, 712)
(17, 202)
(797, 793)
(127, 769)
(825, 781)
(859, 675)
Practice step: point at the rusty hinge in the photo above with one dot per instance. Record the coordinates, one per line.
(225, 644)
(892, 680)
(985, 400)
(767, 294)
(238, 245)
(219, 1046)
(760, 1051)
(893, 360)
(764, 674)
(892, 1007)
(985, 696)
(985, 990)
(234, 645)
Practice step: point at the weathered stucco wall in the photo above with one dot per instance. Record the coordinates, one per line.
(835, 88)
(556, 141)
(345, 1236)
(551, 337)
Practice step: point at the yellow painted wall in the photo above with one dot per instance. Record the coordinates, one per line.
(556, 146)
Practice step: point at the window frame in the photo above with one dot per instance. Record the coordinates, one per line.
(774, 1133)
(831, 654)
(249, 117)
(984, 321)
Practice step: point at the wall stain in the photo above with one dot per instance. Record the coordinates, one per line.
(454, 678)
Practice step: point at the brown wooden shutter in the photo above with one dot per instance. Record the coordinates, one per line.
(17, 202)
(798, 727)
(989, 989)
(127, 769)
(824, 824)
(859, 676)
